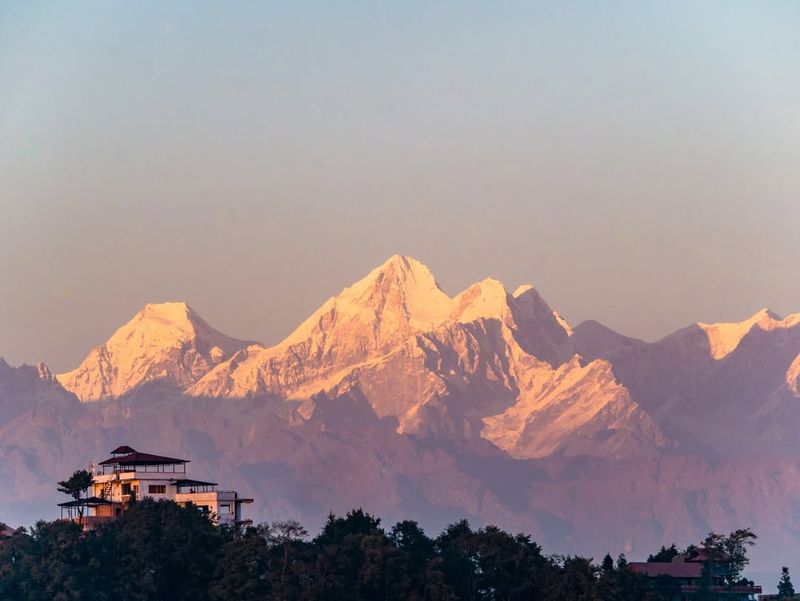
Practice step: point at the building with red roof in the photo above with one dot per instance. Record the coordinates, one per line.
(692, 573)
(5, 530)
(129, 474)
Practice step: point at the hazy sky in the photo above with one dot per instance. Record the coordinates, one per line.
(638, 162)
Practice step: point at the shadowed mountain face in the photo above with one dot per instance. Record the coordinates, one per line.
(30, 388)
(396, 397)
(730, 387)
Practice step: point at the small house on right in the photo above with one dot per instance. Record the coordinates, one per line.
(690, 576)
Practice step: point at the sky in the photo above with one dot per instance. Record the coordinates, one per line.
(637, 162)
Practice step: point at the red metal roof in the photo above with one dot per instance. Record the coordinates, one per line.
(123, 450)
(665, 568)
(143, 459)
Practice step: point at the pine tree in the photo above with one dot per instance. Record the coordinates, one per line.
(785, 586)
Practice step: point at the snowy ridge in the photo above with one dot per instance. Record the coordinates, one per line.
(570, 412)
(793, 376)
(724, 338)
(371, 319)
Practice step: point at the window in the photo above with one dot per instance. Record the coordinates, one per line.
(126, 488)
(203, 509)
(157, 489)
(223, 509)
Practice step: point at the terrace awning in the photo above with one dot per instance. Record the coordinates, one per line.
(87, 502)
(190, 482)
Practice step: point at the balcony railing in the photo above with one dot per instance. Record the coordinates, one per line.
(743, 590)
(160, 469)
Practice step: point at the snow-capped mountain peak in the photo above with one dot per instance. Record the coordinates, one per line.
(397, 298)
(167, 343)
(485, 299)
(724, 338)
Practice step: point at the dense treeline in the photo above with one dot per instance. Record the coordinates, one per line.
(159, 550)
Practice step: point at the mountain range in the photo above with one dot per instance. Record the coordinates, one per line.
(397, 397)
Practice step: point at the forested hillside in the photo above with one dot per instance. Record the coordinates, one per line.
(159, 550)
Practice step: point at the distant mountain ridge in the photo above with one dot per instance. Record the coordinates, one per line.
(483, 363)
(399, 397)
(464, 366)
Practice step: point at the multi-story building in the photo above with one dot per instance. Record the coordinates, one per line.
(693, 574)
(129, 475)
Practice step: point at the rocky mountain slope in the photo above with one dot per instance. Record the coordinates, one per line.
(400, 398)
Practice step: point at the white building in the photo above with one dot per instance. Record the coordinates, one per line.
(129, 474)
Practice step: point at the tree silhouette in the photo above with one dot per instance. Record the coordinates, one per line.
(75, 486)
(731, 551)
(664, 554)
(785, 586)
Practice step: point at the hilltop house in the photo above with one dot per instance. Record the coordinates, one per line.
(691, 572)
(128, 475)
